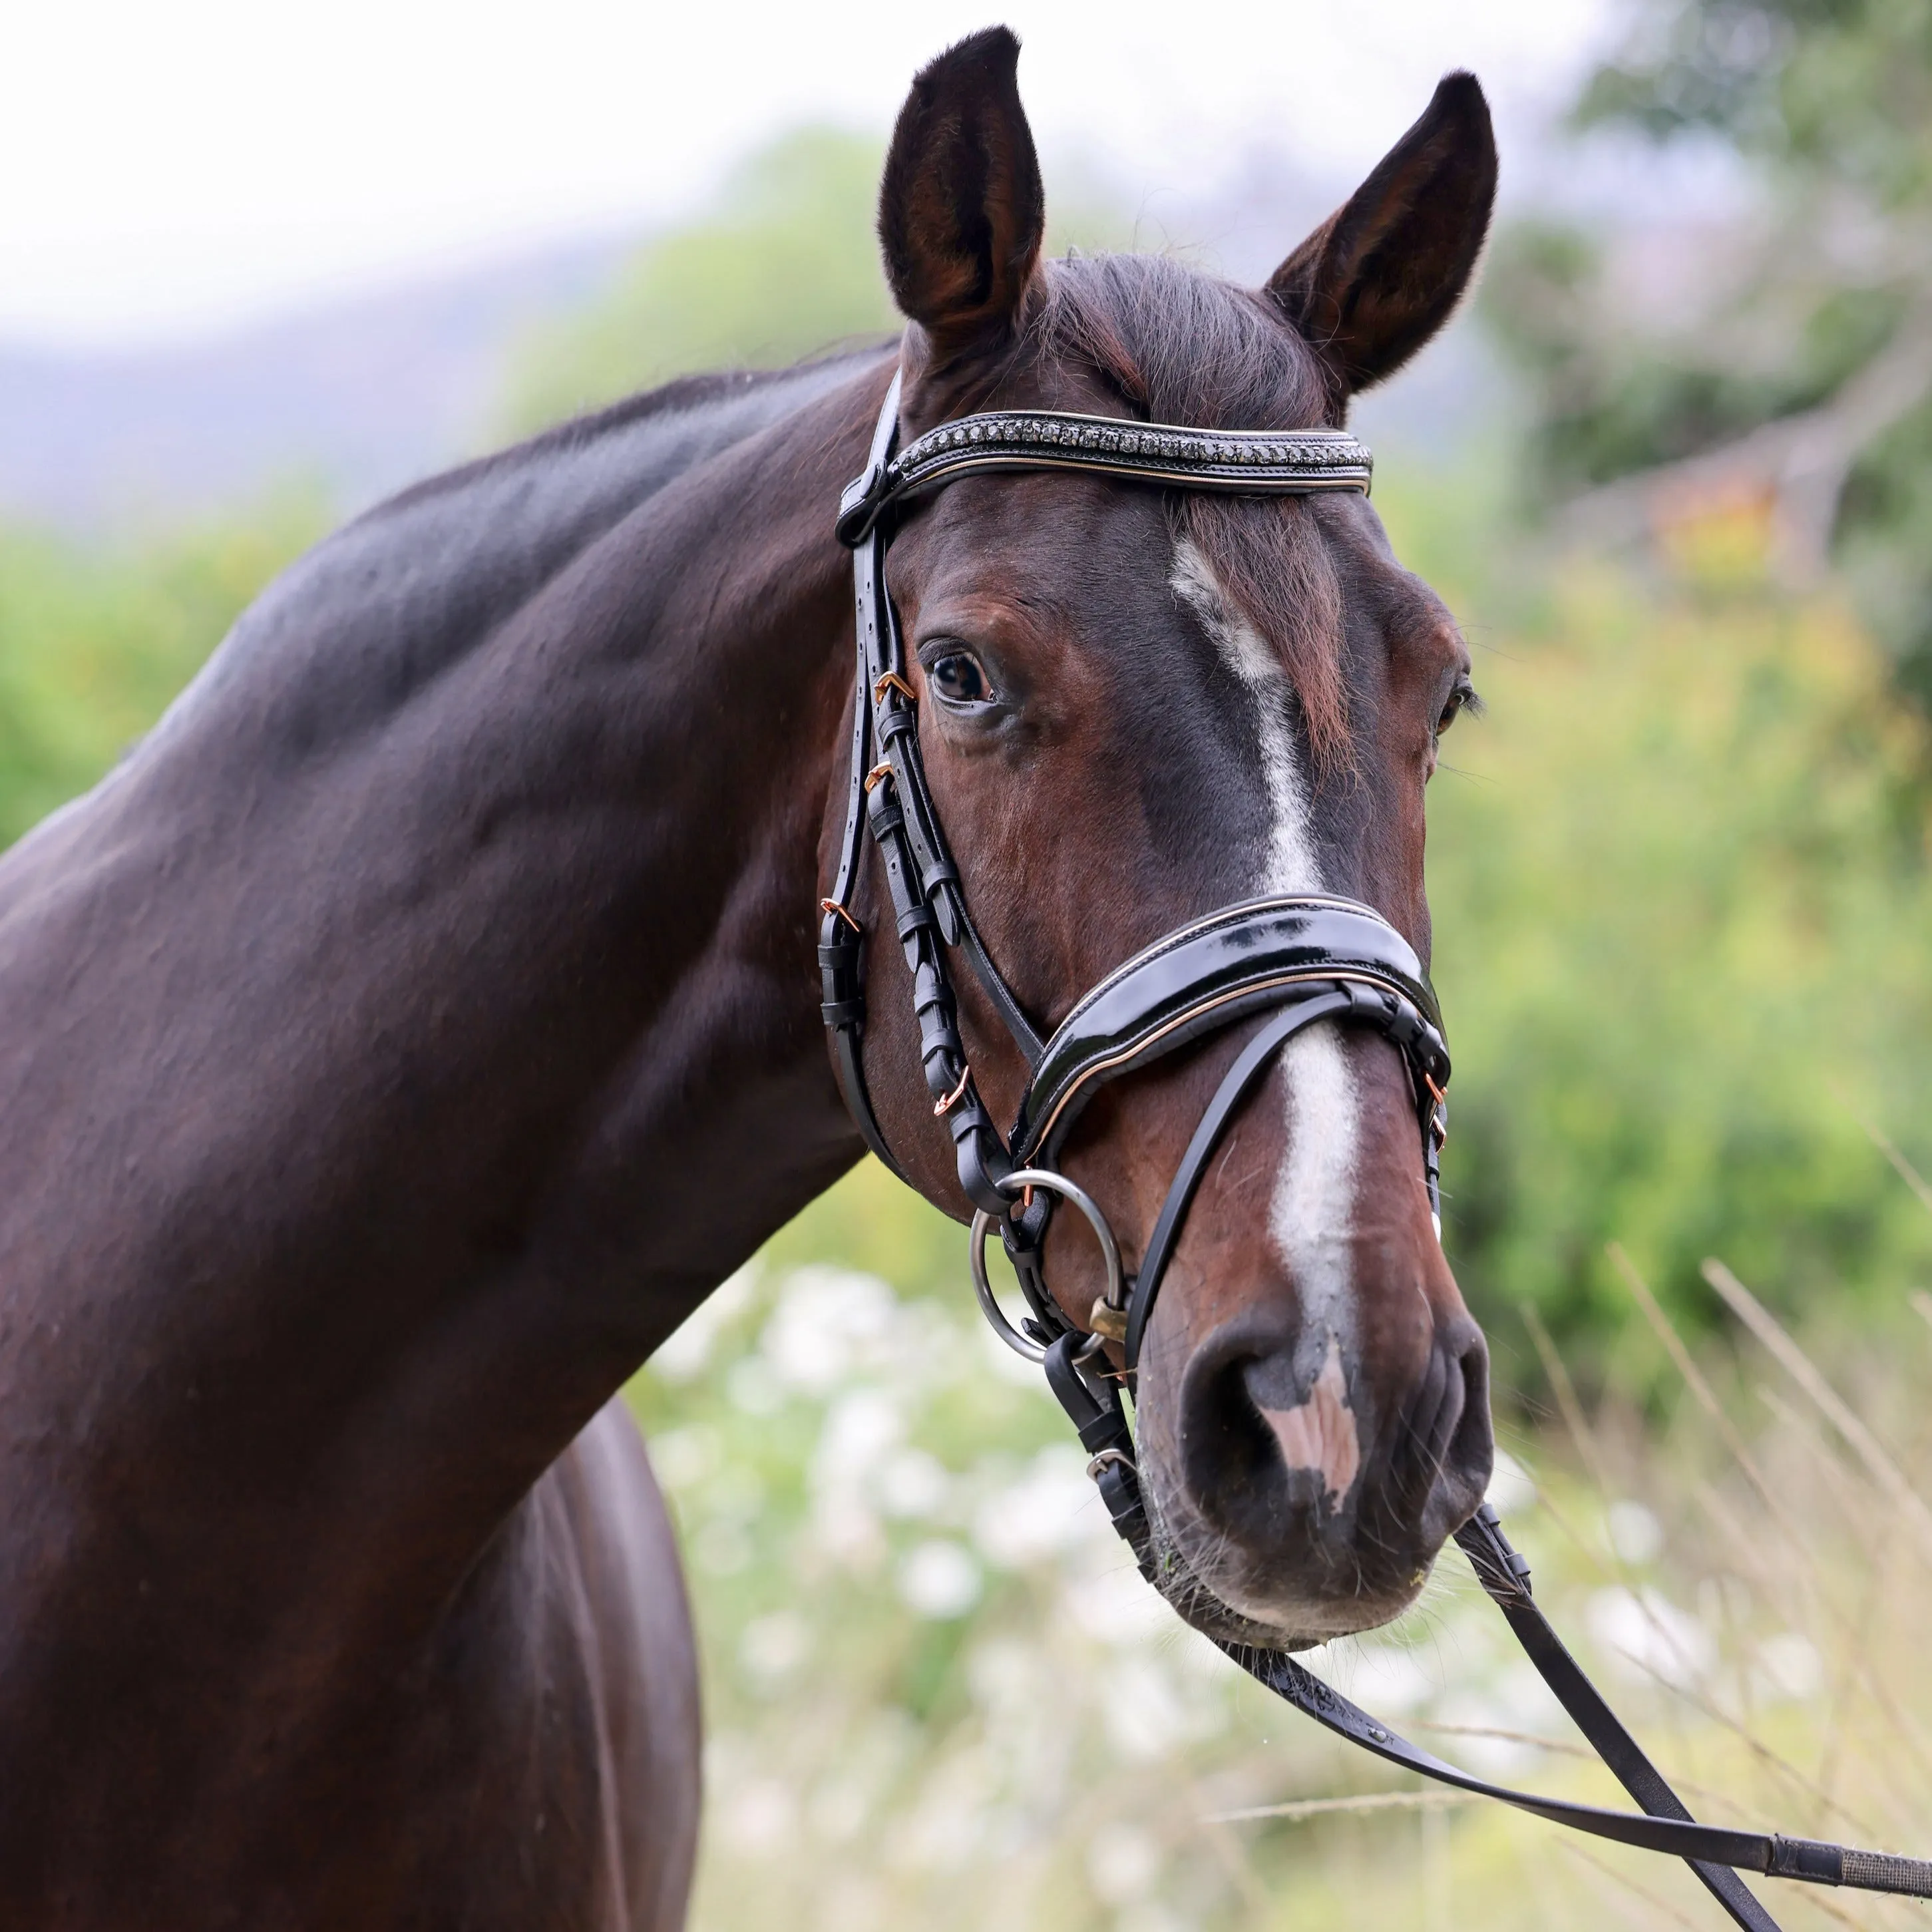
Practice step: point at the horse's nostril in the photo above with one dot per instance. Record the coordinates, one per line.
(1468, 1456)
(1295, 1468)
(1227, 1450)
(1231, 1460)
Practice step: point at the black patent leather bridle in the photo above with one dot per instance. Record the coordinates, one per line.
(1296, 961)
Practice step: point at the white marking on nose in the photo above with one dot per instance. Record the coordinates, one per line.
(1312, 1211)
(1320, 1434)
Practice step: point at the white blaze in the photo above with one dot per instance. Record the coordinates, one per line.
(1312, 1208)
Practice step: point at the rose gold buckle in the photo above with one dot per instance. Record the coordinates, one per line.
(945, 1106)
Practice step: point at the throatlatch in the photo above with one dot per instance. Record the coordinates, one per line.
(1295, 961)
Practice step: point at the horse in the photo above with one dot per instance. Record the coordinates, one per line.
(423, 1019)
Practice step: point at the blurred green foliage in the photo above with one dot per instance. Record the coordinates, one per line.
(1683, 932)
(95, 639)
(1837, 91)
(785, 265)
(1612, 396)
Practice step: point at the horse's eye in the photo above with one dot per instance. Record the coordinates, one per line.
(960, 679)
(1463, 697)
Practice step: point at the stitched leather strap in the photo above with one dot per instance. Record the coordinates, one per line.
(1297, 463)
(1711, 1850)
(1704, 1844)
(896, 721)
(841, 940)
(1207, 976)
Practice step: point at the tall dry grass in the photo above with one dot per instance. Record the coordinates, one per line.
(1749, 1577)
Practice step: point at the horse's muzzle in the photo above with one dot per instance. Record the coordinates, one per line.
(1307, 1499)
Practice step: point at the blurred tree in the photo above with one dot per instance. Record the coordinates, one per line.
(1787, 363)
(786, 265)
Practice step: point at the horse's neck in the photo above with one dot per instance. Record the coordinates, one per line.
(424, 1019)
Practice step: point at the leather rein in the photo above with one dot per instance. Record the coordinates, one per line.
(1296, 961)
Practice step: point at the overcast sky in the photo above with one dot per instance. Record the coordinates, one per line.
(168, 167)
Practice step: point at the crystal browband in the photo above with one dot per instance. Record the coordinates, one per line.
(1250, 462)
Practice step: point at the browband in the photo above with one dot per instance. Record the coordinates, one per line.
(1289, 463)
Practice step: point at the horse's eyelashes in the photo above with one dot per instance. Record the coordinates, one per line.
(1461, 699)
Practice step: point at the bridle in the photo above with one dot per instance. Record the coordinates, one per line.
(1300, 958)
(1297, 960)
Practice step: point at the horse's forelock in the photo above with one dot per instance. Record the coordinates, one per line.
(1183, 346)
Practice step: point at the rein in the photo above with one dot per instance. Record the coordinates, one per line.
(1297, 960)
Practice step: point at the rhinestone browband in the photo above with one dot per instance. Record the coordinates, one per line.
(1252, 462)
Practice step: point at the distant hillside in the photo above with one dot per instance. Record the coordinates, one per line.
(360, 396)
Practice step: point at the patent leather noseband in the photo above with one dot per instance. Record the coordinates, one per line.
(1295, 962)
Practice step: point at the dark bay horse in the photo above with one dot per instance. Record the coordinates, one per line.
(415, 1028)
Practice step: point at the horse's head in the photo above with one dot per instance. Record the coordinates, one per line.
(1138, 705)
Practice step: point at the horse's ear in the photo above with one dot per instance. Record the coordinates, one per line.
(960, 211)
(1381, 274)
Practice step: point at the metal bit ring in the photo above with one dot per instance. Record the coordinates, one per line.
(1115, 1294)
